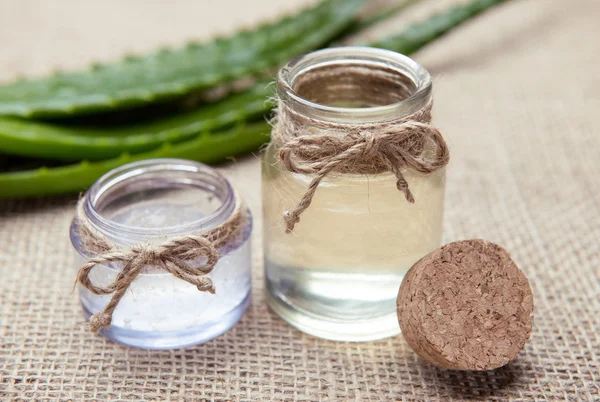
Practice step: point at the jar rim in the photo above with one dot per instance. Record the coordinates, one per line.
(127, 235)
(110, 227)
(336, 56)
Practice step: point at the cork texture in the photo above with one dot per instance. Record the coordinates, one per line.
(466, 306)
(517, 96)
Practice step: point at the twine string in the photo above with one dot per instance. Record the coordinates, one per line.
(172, 256)
(357, 149)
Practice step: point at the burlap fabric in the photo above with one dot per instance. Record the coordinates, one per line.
(517, 96)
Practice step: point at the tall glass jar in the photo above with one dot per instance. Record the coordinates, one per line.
(338, 273)
(149, 202)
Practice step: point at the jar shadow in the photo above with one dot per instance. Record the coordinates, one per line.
(474, 384)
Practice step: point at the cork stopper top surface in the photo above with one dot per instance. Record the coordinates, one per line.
(466, 306)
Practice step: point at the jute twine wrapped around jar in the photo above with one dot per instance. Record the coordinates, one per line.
(189, 258)
(407, 143)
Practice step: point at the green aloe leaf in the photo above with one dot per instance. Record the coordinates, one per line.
(216, 146)
(423, 33)
(170, 73)
(70, 143)
(207, 148)
(55, 141)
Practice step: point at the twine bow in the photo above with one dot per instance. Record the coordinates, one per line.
(384, 147)
(172, 256)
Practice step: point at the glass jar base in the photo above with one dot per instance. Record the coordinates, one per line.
(355, 330)
(175, 339)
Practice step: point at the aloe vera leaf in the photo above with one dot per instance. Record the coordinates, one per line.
(58, 142)
(73, 178)
(420, 34)
(66, 143)
(207, 148)
(169, 73)
(69, 143)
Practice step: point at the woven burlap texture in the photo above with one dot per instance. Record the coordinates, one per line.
(516, 94)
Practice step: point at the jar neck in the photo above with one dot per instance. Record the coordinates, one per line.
(127, 187)
(353, 85)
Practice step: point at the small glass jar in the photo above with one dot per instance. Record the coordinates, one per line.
(148, 202)
(338, 273)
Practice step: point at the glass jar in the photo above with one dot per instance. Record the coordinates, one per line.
(337, 274)
(148, 202)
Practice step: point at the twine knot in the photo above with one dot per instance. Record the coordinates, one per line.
(371, 145)
(189, 258)
(411, 143)
(99, 321)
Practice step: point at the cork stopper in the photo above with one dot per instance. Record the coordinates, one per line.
(466, 306)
